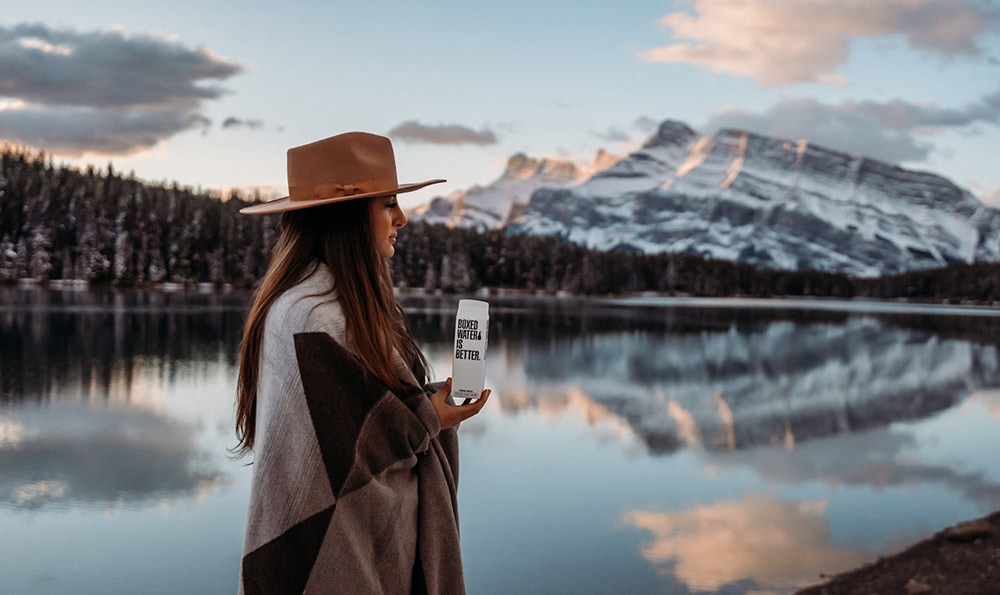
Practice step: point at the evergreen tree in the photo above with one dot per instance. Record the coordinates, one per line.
(41, 261)
(8, 261)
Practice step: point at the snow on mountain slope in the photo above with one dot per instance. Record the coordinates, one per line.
(495, 205)
(770, 202)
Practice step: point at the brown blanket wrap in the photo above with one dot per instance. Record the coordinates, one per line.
(383, 455)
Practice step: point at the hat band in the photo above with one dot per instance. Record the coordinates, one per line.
(321, 191)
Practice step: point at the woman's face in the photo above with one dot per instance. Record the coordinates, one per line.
(387, 218)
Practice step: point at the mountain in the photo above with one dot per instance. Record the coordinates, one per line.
(770, 202)
(503, 200)
(716, 387)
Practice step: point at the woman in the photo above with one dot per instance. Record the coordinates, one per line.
(355, 463)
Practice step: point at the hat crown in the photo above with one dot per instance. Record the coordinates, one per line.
(345, 164)
(348, 166)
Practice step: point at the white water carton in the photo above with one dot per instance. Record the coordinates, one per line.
(468, 368)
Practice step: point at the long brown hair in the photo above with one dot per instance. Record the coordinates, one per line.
(340, 236)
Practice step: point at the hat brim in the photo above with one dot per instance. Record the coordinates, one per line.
(286, 204)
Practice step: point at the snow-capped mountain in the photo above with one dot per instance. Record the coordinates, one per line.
(503, 200)
(771, 202)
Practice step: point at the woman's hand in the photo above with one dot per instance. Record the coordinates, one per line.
(451, 415)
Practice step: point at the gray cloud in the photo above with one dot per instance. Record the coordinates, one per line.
(895, 131)
(642, 125)
(72, 454)
(794, 41)
(612, 135)
(442, 134)
(234, 122)
(101, 91)
(645, 124)
(73, 131)
(105, 69)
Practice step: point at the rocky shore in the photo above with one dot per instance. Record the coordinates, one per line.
(961, 560)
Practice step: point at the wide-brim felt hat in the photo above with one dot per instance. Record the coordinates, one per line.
(343, 167)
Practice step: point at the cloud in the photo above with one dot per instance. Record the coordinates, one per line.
(781, 42)
(71, 454)
(442, 134)
(645, 124)
(75, 92)
(880, 458)
(629, 139)
(774, 543)
(234, 122)
(612, 135)
(73, 131)
(895, 131)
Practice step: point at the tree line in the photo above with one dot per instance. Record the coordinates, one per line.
(59, 222)
(103, 227)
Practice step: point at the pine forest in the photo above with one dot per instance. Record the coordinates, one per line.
(102, 227)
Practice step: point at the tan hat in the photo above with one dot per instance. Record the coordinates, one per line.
(343, 167)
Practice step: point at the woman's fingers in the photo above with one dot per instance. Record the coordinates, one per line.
(442, 394)
(467, 410)
(451, 415)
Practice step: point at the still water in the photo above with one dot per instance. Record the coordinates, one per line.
(676, 446)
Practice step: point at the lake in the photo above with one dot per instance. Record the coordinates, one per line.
(630, 446)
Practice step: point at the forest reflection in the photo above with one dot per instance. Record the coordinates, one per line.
(723, 378)
(84, 344)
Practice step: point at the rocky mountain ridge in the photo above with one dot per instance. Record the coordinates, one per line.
(744, 197)
(503, 200)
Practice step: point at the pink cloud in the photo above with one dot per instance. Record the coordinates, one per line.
(781, 42)
(775, 543)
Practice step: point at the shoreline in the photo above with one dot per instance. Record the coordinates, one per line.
(642, 299)
(960, 560)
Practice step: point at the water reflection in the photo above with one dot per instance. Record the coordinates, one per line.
(759, 540)
(669, 449)
(83, 422)
(69, 343)
(79, 454)
(880, 459)
(724, 379)
(730, 384)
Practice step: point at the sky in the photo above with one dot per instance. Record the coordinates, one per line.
(211, 95)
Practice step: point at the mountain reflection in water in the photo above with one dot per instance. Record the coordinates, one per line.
(732, 379)
(638, 449)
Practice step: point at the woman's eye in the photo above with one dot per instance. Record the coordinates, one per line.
(392, 205)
